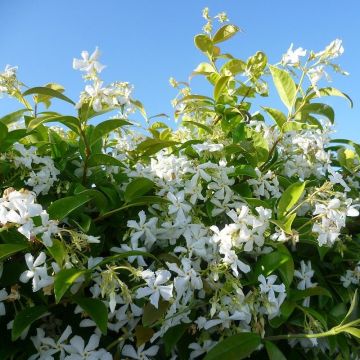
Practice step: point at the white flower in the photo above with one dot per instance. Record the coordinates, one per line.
(155, 286)
(178, 206)
(37, 271)
(305, 274)
(198, 350)
(333, 50)
(225, 319)
(187, 277)
(143, 229)
(78, 350)
(140, 353)
(292, 57)
(89, 63)
(268, 286)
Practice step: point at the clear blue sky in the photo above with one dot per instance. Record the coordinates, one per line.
(145, 42)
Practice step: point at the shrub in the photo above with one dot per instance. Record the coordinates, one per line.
(232, 235)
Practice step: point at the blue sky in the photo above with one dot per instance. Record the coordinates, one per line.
(145, 42)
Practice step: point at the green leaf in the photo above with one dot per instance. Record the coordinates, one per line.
(64, 279)
(138, 187)
(296, 295)
(6, 250)
(353, 331)
(49, 92)
(57, 251)
(152, 314)
(196, 98)
(152, 146)
(220, 86)
(172, 337)
(203, 43)
(246, 170)
(273, 351)
(286, 270)
(225, 33)
(96, 309)
(285, 224)
(290, 197)
(103, 159)
(71, 122)
(13, 117)
(268, 263)
(106, 127)
(234, 66)
(3, 131)
(320, 109)
(138, 104)
(197, 124)
(59, 209)
(330, 91)
(12, 137)
(353, 306)
(278, 116)
(124, 255)
(285, 86)
(25, 318)
(204, 69)
(235, 347)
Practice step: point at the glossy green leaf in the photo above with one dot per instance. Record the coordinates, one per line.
(25, 318)
(234, 66)
(13, 117)
(49, 92)
(330, 91)
(220, 86)
(203, 43)
(103, 159)
(352, 309)
(152, 314)
(278, 116)
(138, 187)
(285, 86)
(290, 197)
(319, 109)
(172, 336)
(199, 125)
(225, 33)
(274, 353)
(204, 69)
(64, 279)
(71, 122)
(57, 251)
(96, 309)
(296, 295)
(61, 208)
(235, 347)
(353, 331)
(106, 127)
(152, 146)
(6, 250)
(246, 170)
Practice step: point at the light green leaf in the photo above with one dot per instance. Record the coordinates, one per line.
(96, 309)
(353, 306)
(285, 86)
(235, 347)
(290, 197)
(225, 33)
(49, 92)
(203, 43)
(64, 279)
(13, 117)
(220, 86)
(353, 331)
(138, 187)
(6, 250)
(200, 125)
(138, 104)
(204, 69)
(234, 66)
(246, 170)
(330, 91)
(285, 223)
(320, 109)
(151, 146)
(273, 351)
(25, 318)
(59, 209)
(278, 116)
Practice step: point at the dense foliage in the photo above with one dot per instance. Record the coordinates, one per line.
(233, 235)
